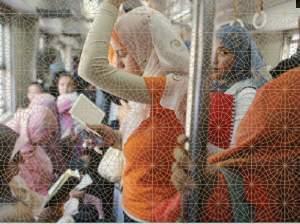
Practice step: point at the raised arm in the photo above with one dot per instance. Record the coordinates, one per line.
(94, 66)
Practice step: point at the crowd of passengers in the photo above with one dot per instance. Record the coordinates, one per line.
(140, 59)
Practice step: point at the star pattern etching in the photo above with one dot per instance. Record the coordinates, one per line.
(134, 63)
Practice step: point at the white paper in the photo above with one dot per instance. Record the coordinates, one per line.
(62, 179)
(86, 112)
(85, 181)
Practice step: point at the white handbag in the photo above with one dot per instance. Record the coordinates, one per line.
(111, 165)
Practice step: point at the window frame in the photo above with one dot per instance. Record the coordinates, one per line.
(288, 41)
(7, 82)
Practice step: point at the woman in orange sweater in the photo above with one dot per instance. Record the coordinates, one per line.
(152, 64)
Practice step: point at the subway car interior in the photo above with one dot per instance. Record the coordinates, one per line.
(122, 111)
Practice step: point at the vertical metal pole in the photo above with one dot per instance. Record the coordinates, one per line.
(299, 31)
(197, 114)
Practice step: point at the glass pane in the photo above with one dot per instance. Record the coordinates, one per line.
(7, 72)
(2, 93)
(293, 48)
(295, 36)
(5, 75)
(1, 45)
(2, 73)
(90, 7)
(6, 52)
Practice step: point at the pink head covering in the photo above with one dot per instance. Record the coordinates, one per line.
(37, 143)
(64, 104)
(45, 100)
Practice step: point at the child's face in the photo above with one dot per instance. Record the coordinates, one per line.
(32, 91)
(65, 85)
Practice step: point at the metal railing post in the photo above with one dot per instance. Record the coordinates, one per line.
(197, 114)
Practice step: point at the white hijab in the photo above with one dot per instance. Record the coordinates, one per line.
(158, 49)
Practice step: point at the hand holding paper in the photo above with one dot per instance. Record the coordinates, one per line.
(86, 112)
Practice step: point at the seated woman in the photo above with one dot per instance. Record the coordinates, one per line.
(38, 144)
(69, 128)
(65, 100)
(72, 135)
(153, 64)
(33, 89)
(257, 180)
(12, 208)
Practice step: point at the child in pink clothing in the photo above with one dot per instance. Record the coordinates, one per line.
(38, 131)
(65, 100)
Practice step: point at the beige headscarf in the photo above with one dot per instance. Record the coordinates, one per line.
(158, 49)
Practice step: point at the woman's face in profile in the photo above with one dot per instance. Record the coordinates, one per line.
(223, 61)
(124, 60)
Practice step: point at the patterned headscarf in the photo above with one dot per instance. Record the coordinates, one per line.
(248, 59)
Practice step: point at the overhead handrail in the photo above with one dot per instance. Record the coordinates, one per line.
(236, 14)
(260, 15)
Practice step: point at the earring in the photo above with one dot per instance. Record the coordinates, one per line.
(175, 43)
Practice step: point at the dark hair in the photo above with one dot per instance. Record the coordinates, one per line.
(64, 74)
(76, 59)
(131, 4)
(86, 213)
(68, 75)
(287, 64)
